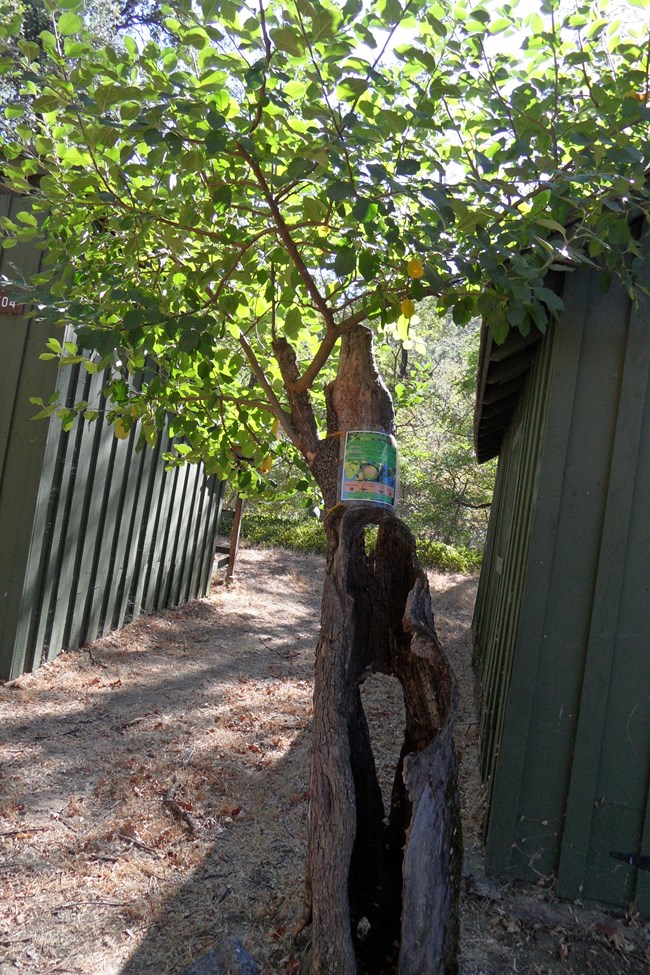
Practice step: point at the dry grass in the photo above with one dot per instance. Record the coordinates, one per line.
(154, 792)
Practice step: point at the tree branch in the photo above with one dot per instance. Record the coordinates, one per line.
(302, 412)
(274, 403)
(285, 235)
(324, 350)
(268, 54)
(225, 398)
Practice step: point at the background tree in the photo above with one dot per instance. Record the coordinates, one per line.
(226, 211)
(445, 496)
(106, 19)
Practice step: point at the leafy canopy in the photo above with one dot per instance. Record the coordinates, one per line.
(276, 171)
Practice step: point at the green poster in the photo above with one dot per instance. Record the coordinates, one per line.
(369, 467)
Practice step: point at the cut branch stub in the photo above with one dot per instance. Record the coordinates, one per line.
(395, 875)
(357, 400)
(358, 397)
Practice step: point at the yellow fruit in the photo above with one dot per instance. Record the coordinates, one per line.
(274, 427)
(407, 308)
(415, 268)
(266, 464)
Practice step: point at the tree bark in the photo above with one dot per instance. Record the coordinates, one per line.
(382, 884)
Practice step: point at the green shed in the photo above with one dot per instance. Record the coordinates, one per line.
(562, 620)
(91, 531)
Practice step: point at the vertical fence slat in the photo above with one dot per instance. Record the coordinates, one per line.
(185, 522)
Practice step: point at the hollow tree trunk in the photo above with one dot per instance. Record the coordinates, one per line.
(395, 871)
(401, 876)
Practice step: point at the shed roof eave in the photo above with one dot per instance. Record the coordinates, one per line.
(502, 373)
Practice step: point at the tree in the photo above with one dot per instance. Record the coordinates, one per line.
(26, 19)
(445, 495)
(104, 17)
(227, 211)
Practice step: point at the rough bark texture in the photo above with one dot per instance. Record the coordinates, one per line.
(383, 884)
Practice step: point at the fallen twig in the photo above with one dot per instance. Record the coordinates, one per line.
(135, 842)
(226, 893)
(71, 904)
(24, 829)
(285, 653)
(178, 812)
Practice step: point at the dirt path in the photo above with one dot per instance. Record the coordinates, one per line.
(153, 796)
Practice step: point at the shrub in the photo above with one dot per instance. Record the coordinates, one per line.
(448, 558)
(271, 532)
(307, 535)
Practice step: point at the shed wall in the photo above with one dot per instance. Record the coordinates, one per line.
(498, 605)
(569, 769)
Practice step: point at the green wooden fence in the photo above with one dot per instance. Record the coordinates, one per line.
(91, 531)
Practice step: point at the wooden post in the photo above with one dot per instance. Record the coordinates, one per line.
(234, 538)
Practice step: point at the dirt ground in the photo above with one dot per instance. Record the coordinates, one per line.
(154, 796)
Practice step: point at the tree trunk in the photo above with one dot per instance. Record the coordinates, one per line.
(382, 885)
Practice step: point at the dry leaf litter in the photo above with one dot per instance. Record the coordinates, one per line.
(154, 796)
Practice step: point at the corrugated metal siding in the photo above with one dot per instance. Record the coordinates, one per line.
(498, 604)
(91, 532)
(570, 758)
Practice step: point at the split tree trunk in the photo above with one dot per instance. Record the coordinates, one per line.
(402, 874)
(382, 884)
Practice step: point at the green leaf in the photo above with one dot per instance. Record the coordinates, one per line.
(288, 40)
(391, 11)
(340, 191)
(215, 119)
(69, 23)
(46, 103)
(438, 26)
(122, 427)
(499, 327)
(345, 262)
(293, 323)
(134, 318)
(408, 167)
(551, 224)
(323, 23)
(196, 38)
(550, 299)
(368, 265)
(67, 418)
(499, 24)
(130, 45)
(29, 49)
(352, 88)
(464, 310)
(313, 209)
(48, 40)
(11, 28)
(216, 142)
(222, 197)
(189, 341)
(24, 216)
(365, 210)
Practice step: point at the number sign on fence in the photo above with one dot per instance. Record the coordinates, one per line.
(9, 306)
